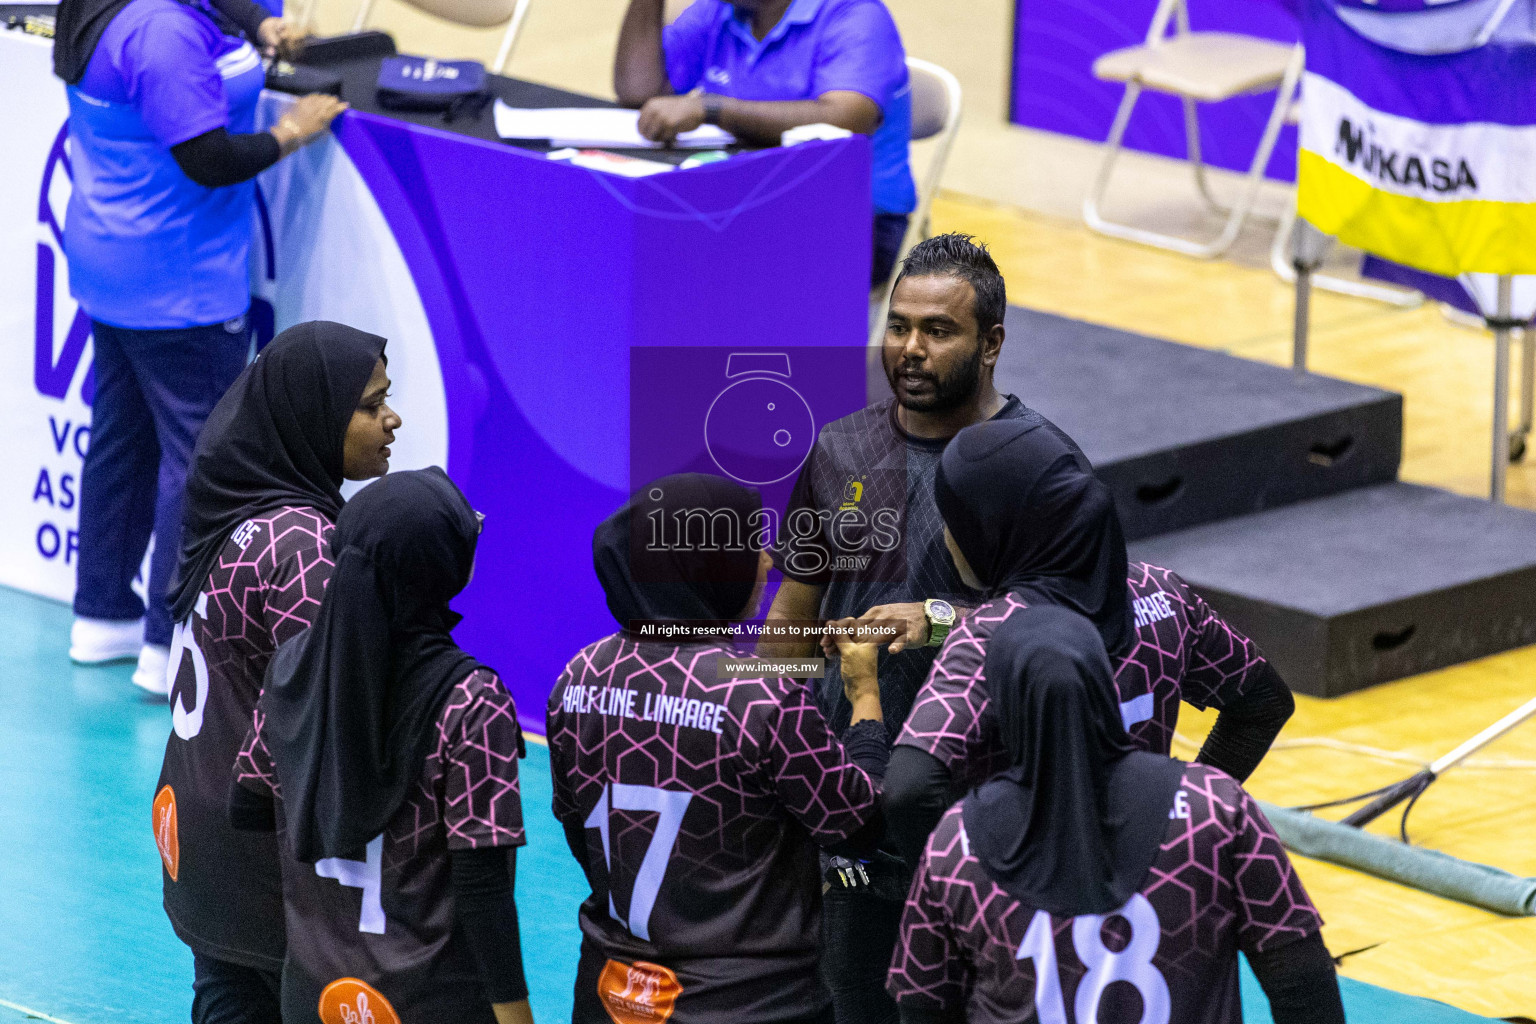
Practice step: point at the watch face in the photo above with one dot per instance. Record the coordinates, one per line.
(941, 610)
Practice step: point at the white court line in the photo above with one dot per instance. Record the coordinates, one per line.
(39, 1014)
(533, 737)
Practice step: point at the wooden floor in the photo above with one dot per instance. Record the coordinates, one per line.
(1393, 936)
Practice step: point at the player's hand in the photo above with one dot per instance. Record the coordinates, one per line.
(307, 120)
(664, 118)
(859, 668)
(908, 619)
(281, 39)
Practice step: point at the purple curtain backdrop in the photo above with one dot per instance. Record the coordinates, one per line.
(1057, 41)
(539, 279)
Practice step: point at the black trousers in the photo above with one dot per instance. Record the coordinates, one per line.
(226, 993)
(890, 228)
(859, 929)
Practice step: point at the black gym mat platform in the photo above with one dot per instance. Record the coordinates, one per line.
(1360, 588)
(1185, 435)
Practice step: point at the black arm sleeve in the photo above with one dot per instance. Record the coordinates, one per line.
(245, 13)
(1246, 727)
(930, 1014)
(215, 159)
(251, 812)
(482, 895)
(916, 797)
(869, 747)
(1300, 982)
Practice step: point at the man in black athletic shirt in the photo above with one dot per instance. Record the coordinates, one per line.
(865, 542)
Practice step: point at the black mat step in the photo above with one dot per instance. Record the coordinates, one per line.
(1184, 435)
(1368, 586)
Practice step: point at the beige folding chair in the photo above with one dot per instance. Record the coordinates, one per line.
(936, 108)
(1197, 67)
(472, 13)
(673, 9)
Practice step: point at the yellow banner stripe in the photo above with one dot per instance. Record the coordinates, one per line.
(1449, 238)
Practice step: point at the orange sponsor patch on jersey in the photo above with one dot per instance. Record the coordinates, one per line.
(166, 839)
(350, 1001)
(638, 993)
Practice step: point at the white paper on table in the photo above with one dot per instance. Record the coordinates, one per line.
(595, 127)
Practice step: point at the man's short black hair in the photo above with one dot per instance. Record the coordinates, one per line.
(962, 256)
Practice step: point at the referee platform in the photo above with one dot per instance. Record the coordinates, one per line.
(1276, 495)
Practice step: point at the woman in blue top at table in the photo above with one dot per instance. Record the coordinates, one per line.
(764, 66)
(163, 149)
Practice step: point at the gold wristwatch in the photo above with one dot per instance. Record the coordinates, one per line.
(941, 619)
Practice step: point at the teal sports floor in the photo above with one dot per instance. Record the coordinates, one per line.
(82, 936)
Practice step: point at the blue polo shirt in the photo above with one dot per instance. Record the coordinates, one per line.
(148, 247)
(818, 46)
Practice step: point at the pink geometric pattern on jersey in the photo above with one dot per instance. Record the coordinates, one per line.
(265, 585)
(735, 911)
(261, 595)
(1190, 655)
(253, 766)
(468, 791)
(774, 753)
(1221, 882)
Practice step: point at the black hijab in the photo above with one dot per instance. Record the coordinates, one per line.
(649, 576)
(276, 438)
(352, 702)
(1032, 519)
(1073, 825)
(78, 25)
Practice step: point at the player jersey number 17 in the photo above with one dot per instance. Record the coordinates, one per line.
(669, 805)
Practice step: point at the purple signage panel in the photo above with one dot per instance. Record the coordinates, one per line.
(1057, 41)
(538, 280)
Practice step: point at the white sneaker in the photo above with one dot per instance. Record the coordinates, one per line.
(154, 659)
(94, 641)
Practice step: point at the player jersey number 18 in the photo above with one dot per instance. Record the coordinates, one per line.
(1132, 964)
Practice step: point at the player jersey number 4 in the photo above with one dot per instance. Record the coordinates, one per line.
(1131, 964)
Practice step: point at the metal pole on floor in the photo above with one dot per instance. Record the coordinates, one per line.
(1527, 382)
(1303, 318)
(1501, 389)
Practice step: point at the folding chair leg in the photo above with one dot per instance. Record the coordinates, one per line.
(1196, 160)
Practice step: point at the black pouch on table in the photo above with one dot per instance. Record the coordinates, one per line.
(300, 80)
(348, 46)
(425, 85)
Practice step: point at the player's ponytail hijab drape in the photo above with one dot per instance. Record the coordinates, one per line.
(351, 703)
(275, 439)
(1073, 825)
(1032, 519)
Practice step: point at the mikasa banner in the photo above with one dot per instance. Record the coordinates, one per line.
(1426, 160)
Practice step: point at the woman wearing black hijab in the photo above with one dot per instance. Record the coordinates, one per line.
(1028, 524)
(1084, 835)
(695, 796)
(392, 755)
(255, 557)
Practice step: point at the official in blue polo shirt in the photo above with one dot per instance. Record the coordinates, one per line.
(759, 67)
(162, 112)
